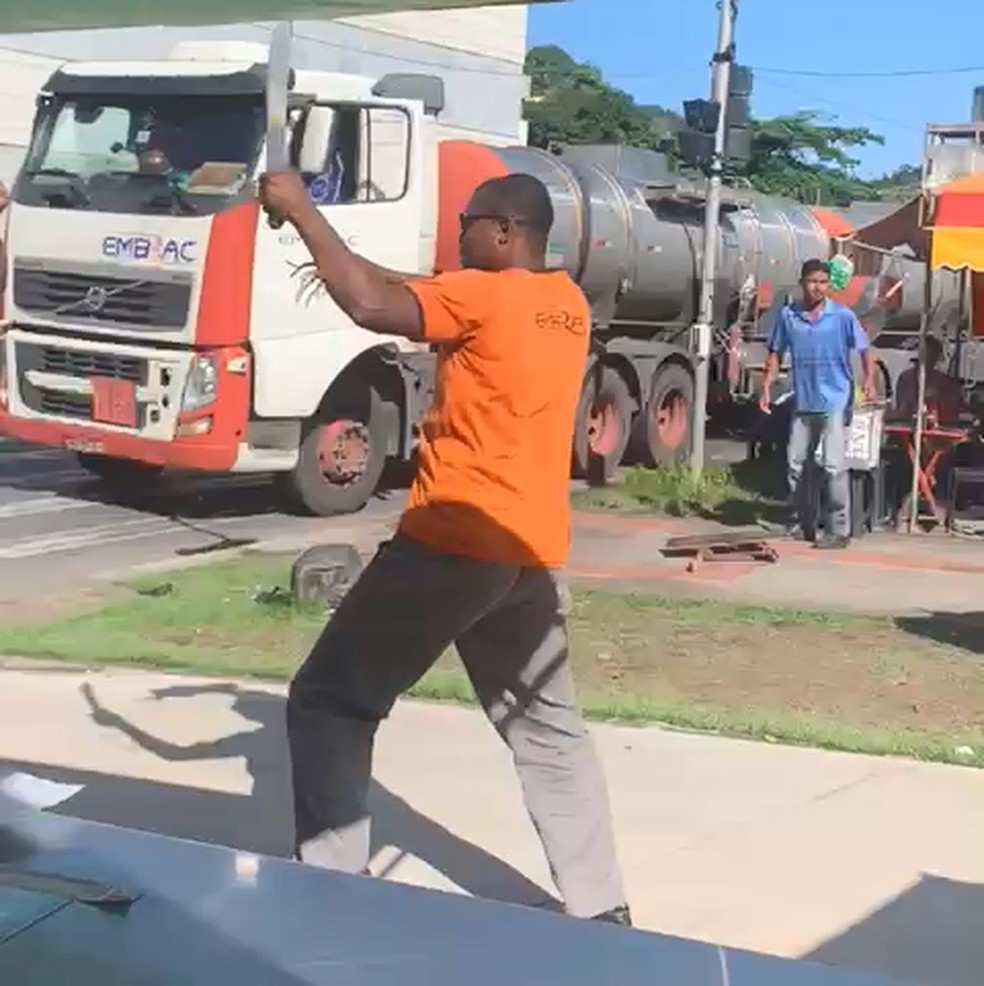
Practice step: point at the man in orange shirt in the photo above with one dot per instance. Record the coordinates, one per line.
(474, 562)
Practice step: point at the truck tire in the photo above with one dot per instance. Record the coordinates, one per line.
(667, 426)
(122, 474)
(604, 423)
(342, 455)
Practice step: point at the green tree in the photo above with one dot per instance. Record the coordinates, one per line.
(803, 157)
(903, 183)
(570, 103)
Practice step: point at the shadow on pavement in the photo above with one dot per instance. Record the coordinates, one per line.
(963, 630)
(929, 934)
(262, 822)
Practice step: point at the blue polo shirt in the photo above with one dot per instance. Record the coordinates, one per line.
(820, 350)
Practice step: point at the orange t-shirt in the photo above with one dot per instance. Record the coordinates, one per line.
(495, 448)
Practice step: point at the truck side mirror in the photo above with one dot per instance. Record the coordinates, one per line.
(425, 89)
(314, 130)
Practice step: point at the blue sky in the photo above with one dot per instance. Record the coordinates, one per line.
(659, 51)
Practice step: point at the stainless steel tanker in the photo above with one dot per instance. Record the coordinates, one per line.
(633, 234)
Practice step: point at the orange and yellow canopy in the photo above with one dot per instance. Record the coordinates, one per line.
(957, 225)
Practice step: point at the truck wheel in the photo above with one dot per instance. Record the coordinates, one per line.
(604, 422)
(342, 455)
(668, 417)
(119, 472)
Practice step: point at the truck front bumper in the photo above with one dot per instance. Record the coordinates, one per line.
(54, 389)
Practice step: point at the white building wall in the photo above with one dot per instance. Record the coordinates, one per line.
(478, 52)
(21, 75)
(494, 32)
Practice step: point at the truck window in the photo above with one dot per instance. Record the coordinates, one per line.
(89, 140)
(352, 154)
(384, 163)
(142, 154)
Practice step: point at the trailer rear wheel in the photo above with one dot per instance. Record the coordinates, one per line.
(604, 422)
(342, 455)
(121, 473)
(669, 413)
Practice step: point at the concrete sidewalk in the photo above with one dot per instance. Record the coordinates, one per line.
(866, 863)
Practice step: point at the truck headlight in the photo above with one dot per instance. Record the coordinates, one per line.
(201, 385)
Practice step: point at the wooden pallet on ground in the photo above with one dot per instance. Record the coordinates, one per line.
(733, 546)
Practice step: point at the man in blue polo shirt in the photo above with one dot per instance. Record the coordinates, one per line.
(820, 336)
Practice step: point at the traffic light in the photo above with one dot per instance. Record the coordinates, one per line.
(738, 146)
(701, 117)
(697, 138)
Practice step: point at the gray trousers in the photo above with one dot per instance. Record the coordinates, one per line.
(509, 625)
(805, 435)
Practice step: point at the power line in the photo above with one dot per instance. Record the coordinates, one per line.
(798, 73)
(806, 73)
(843, 104)
(894, 74)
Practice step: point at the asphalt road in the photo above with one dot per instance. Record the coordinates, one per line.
(59, 527)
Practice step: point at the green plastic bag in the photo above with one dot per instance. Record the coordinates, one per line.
(841, 271)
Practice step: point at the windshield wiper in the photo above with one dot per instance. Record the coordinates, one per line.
(51, 173)
(177, 199)
(171, 195)
(89, 892)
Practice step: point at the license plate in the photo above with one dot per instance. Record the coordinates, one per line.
(84, 445)
(114, 402)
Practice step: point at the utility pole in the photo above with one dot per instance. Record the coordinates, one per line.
(704, 327)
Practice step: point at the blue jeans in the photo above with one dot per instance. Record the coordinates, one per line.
(805, 435)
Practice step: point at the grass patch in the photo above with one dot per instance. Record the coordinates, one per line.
(828, 679)
(743, 493)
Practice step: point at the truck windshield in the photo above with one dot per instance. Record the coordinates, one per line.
(149, 155)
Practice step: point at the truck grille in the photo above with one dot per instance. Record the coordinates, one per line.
(63, 405)
(78, 297)
(71, 363)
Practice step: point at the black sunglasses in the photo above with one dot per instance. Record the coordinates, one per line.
(468, 219)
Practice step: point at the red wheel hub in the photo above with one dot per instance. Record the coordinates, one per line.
(343, 451)
(670, 419)
(603, 428)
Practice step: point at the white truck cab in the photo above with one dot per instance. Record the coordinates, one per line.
(154, 319)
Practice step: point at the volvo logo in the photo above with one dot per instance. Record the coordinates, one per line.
(95, 299)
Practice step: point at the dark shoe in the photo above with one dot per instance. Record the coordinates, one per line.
(617, 915)
(833, 542)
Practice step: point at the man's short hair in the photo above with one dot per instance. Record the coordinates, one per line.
(521, 197)
(814, 266)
